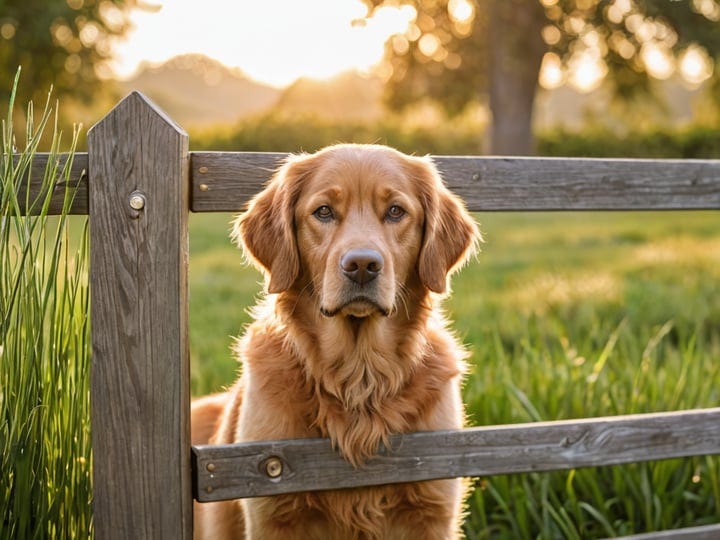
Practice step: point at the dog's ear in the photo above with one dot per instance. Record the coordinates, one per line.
(451, 235)
(266, 231)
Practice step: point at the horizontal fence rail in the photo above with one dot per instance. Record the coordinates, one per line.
(78, 179)
(241, 470)
(224, 181)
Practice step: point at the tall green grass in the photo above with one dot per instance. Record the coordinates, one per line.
(45, 459)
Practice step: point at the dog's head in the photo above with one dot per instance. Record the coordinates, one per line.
(358, 225)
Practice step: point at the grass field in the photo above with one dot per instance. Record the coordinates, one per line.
(568, 315)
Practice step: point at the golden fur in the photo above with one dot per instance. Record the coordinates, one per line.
(351, 359)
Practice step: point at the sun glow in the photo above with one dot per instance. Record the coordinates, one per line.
(551, 72)
(274, 41)
(657, 60)
(696, 65)
(587, 70)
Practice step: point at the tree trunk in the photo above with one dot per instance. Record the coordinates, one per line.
(516, 49)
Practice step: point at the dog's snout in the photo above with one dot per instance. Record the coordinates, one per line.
(361, 265)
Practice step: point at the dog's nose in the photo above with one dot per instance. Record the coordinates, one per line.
(361, 265)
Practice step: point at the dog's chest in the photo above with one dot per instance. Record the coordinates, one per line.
(359, 514)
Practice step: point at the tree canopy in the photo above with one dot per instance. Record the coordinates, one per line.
(65, 44)
(494, 51)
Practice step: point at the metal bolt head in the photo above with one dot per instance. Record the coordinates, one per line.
(274, 467)
(137, 200)
(211, 467)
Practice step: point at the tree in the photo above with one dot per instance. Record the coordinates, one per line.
(60, 43)
(460, 51)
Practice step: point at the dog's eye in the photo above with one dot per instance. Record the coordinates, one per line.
(324, 213)
(395, 213)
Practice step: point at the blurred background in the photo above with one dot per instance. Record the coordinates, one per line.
(551, 77)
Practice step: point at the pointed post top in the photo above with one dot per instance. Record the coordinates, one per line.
(137, 102)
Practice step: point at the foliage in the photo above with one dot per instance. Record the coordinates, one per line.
(461, 51)
(629, 33)
(277, 133)
(444, 54)
(691, 143)
(60, 43)
(45, 462)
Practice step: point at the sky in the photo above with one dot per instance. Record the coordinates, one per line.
(272, 41)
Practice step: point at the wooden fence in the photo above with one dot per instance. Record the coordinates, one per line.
(138, 182)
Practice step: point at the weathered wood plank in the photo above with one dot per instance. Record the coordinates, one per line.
(706, 532)
(224, 181)
(583, 184)
(77, 180)
(234, 471)
(140, 363)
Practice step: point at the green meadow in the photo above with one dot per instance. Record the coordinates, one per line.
(567, 315)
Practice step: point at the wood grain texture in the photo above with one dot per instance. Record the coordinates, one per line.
(140, 363)
(78, 181)
(234, 471)
(224, 181)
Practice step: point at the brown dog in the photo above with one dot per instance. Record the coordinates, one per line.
(357, 243)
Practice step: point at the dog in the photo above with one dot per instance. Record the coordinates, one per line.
(357, 243)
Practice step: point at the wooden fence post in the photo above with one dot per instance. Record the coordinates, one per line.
(138, 162)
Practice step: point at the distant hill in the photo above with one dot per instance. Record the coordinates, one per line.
(197, 91)
(349, 95)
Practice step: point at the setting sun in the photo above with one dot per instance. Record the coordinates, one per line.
(274, 41)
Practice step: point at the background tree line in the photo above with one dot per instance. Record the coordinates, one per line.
(461, 51)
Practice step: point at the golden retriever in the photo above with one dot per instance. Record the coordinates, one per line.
(357, 243)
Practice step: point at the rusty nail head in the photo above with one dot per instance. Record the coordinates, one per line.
(274, 467)
(211, 467)
(203, 170)
(209, 489)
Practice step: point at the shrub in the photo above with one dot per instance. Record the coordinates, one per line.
(690, 143)
(462, 136)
